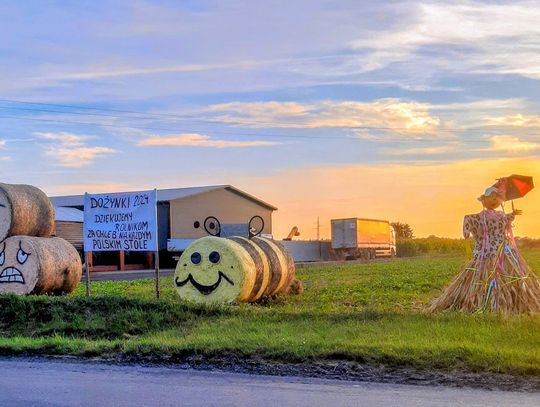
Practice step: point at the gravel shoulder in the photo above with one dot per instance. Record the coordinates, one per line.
(337, 370)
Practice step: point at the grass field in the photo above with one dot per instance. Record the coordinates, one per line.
(371, 313)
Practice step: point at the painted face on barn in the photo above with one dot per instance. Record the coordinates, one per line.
(18, 266)
(5, 216)
(211, 270)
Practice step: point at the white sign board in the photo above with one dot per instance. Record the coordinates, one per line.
(120, 221)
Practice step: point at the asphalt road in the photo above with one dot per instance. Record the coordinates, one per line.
(41, 382)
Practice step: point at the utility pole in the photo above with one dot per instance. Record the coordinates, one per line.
(318, 229)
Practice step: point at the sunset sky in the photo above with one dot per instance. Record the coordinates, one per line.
(404, 111)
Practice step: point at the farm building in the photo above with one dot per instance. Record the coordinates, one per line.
(184, 214)
(69, 225)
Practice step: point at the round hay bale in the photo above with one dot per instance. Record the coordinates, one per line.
(262, 267)
(38, 265)
(291, 272)
(25, 210)
(279, 268)
(215, 270)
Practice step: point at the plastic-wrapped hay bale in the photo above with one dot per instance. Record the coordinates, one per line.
(38, 265)
(216, 270)
(25, 210)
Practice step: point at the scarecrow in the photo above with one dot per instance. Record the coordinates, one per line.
(497, 278)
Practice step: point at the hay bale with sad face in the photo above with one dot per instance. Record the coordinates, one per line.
(38, 265)
(31, 261)
(219, 270)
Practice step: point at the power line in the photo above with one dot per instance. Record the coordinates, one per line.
(158, 128)
(398, 138)
(217, 120)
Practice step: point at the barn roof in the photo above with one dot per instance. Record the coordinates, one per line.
(62, 214)
(166, 195)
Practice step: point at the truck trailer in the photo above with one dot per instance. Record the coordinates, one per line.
(358, 238)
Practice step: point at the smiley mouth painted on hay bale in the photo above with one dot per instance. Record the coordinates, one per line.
(203, 289)
(11, 275)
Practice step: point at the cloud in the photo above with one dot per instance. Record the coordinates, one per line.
(511, 144)
(480, 38)
(4, 157)
(421, 151)
(516, 120)
(200, 140)
(64, 138)
(386, 114)
(71, 150)
(99, 73)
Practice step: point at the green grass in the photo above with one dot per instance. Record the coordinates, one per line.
(371, 313)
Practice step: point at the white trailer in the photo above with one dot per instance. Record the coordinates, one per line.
(354, 238)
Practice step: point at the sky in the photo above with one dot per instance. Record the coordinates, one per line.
(398, 110)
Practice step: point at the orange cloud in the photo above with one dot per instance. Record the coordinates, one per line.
(390, 114)
(517, 120)
(200, 140)
(512, 145)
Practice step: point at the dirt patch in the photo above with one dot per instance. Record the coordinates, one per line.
(340, 370)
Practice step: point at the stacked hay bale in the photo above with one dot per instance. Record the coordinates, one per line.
(219, 270)
(31, 260)
(25, 210)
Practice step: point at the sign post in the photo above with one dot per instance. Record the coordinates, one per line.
(121, 222)
(87, 264)
(156, 257)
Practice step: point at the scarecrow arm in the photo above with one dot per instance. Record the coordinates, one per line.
(467, 227)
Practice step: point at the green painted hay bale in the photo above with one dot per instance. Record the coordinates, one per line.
(219, 270)
(215, 270)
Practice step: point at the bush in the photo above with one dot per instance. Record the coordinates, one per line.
(433, 245)
(527, 243)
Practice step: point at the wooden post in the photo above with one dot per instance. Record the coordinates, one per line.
(158, 291)
(122, 260)
(156, 257)
(87, 256)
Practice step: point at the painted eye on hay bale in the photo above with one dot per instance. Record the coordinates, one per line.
(234, 269)
(25, 210)
(196, 258)
(38, 265)
(214, 257)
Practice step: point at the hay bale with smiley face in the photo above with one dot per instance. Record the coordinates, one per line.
(25, 210)
(38, 265)
(219, 270)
